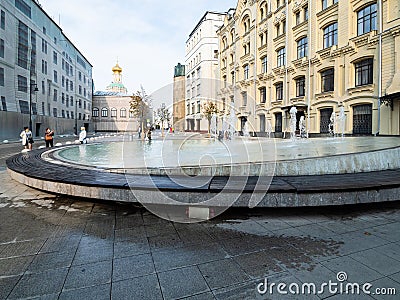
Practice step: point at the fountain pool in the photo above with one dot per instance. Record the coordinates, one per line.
(208, 157)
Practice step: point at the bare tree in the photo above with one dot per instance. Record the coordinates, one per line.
(140, 105)
(209, 109)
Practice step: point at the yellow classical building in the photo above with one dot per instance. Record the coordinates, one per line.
(321, 56)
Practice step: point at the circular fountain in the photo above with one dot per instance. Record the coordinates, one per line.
(244, 171)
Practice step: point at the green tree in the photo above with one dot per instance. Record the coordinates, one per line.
(163, 115)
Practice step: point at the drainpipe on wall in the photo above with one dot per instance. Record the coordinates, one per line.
(380, 8)
(255, 72)
(309, 41)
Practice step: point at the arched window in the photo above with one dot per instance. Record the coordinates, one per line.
(302, 47)
(224, 43)
(95, 112)
(104, 112)
(246, 24)
(122, 113)
(113, 112)
(233, 35)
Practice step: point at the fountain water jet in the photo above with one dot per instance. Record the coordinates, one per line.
(293, 121)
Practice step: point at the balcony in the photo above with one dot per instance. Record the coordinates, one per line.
(260, 106)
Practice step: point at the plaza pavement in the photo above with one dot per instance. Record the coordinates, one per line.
(55, 247)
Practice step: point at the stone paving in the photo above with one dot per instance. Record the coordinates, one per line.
(55, 247)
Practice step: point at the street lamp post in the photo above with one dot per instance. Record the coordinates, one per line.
(32, 88)
(76, 116)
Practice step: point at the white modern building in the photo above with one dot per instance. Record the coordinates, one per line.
(44, 79)
(202, 73)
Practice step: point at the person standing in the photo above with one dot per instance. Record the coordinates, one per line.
(27, 138)
(82, 136)
(48, 137)
(24, 138)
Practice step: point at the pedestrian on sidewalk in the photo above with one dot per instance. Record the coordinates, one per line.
(27, 138)
(48, 137)
(82, 136)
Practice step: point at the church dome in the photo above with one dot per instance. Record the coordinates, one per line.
(117, 68)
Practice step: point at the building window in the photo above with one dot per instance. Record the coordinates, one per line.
(364, 72)
(62, 98)
(328, 80)
(330, 35)
(279, 91)
(302, 47)
(300, 86)
(324, 4)
(298, 19)
(63, 114)
(366, 19)
(54, 112)
(22, 84)
(278, 122)
(122, 112)
(22, 54)
(55, 95)
(246, 72)
(188, 109)
(281, 53)
(264, 64)
(1, 76)
(55, 57)
(246, 24)
(24, 106)
(263, 94)
(23, 7)
(71, 85)
(62, 81)
(233, 77)
(198, 107)
(44, 67)
(1, 48)
(3, 20)
(43, 87)
(55, 77)
(44, 46)
(104, 112)
(113, 112)
(305, 13)
(3, 103)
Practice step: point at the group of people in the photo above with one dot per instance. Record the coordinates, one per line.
(27, 137)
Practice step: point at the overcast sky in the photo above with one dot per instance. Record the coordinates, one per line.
(148, 36)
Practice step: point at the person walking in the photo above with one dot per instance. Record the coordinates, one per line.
(48, 137)
(82, 136)
(27, 138)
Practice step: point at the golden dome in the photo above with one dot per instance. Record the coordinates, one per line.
(117, 69)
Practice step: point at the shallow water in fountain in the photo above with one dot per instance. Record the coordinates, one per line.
(172, 153)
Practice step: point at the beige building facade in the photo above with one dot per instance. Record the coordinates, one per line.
(319, 56)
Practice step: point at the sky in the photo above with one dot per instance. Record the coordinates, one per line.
(147, 37)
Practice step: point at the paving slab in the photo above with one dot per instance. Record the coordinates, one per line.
(182, 282)
(144, 288)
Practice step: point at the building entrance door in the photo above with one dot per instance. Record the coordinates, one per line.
(362, 119)
(325, 116)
